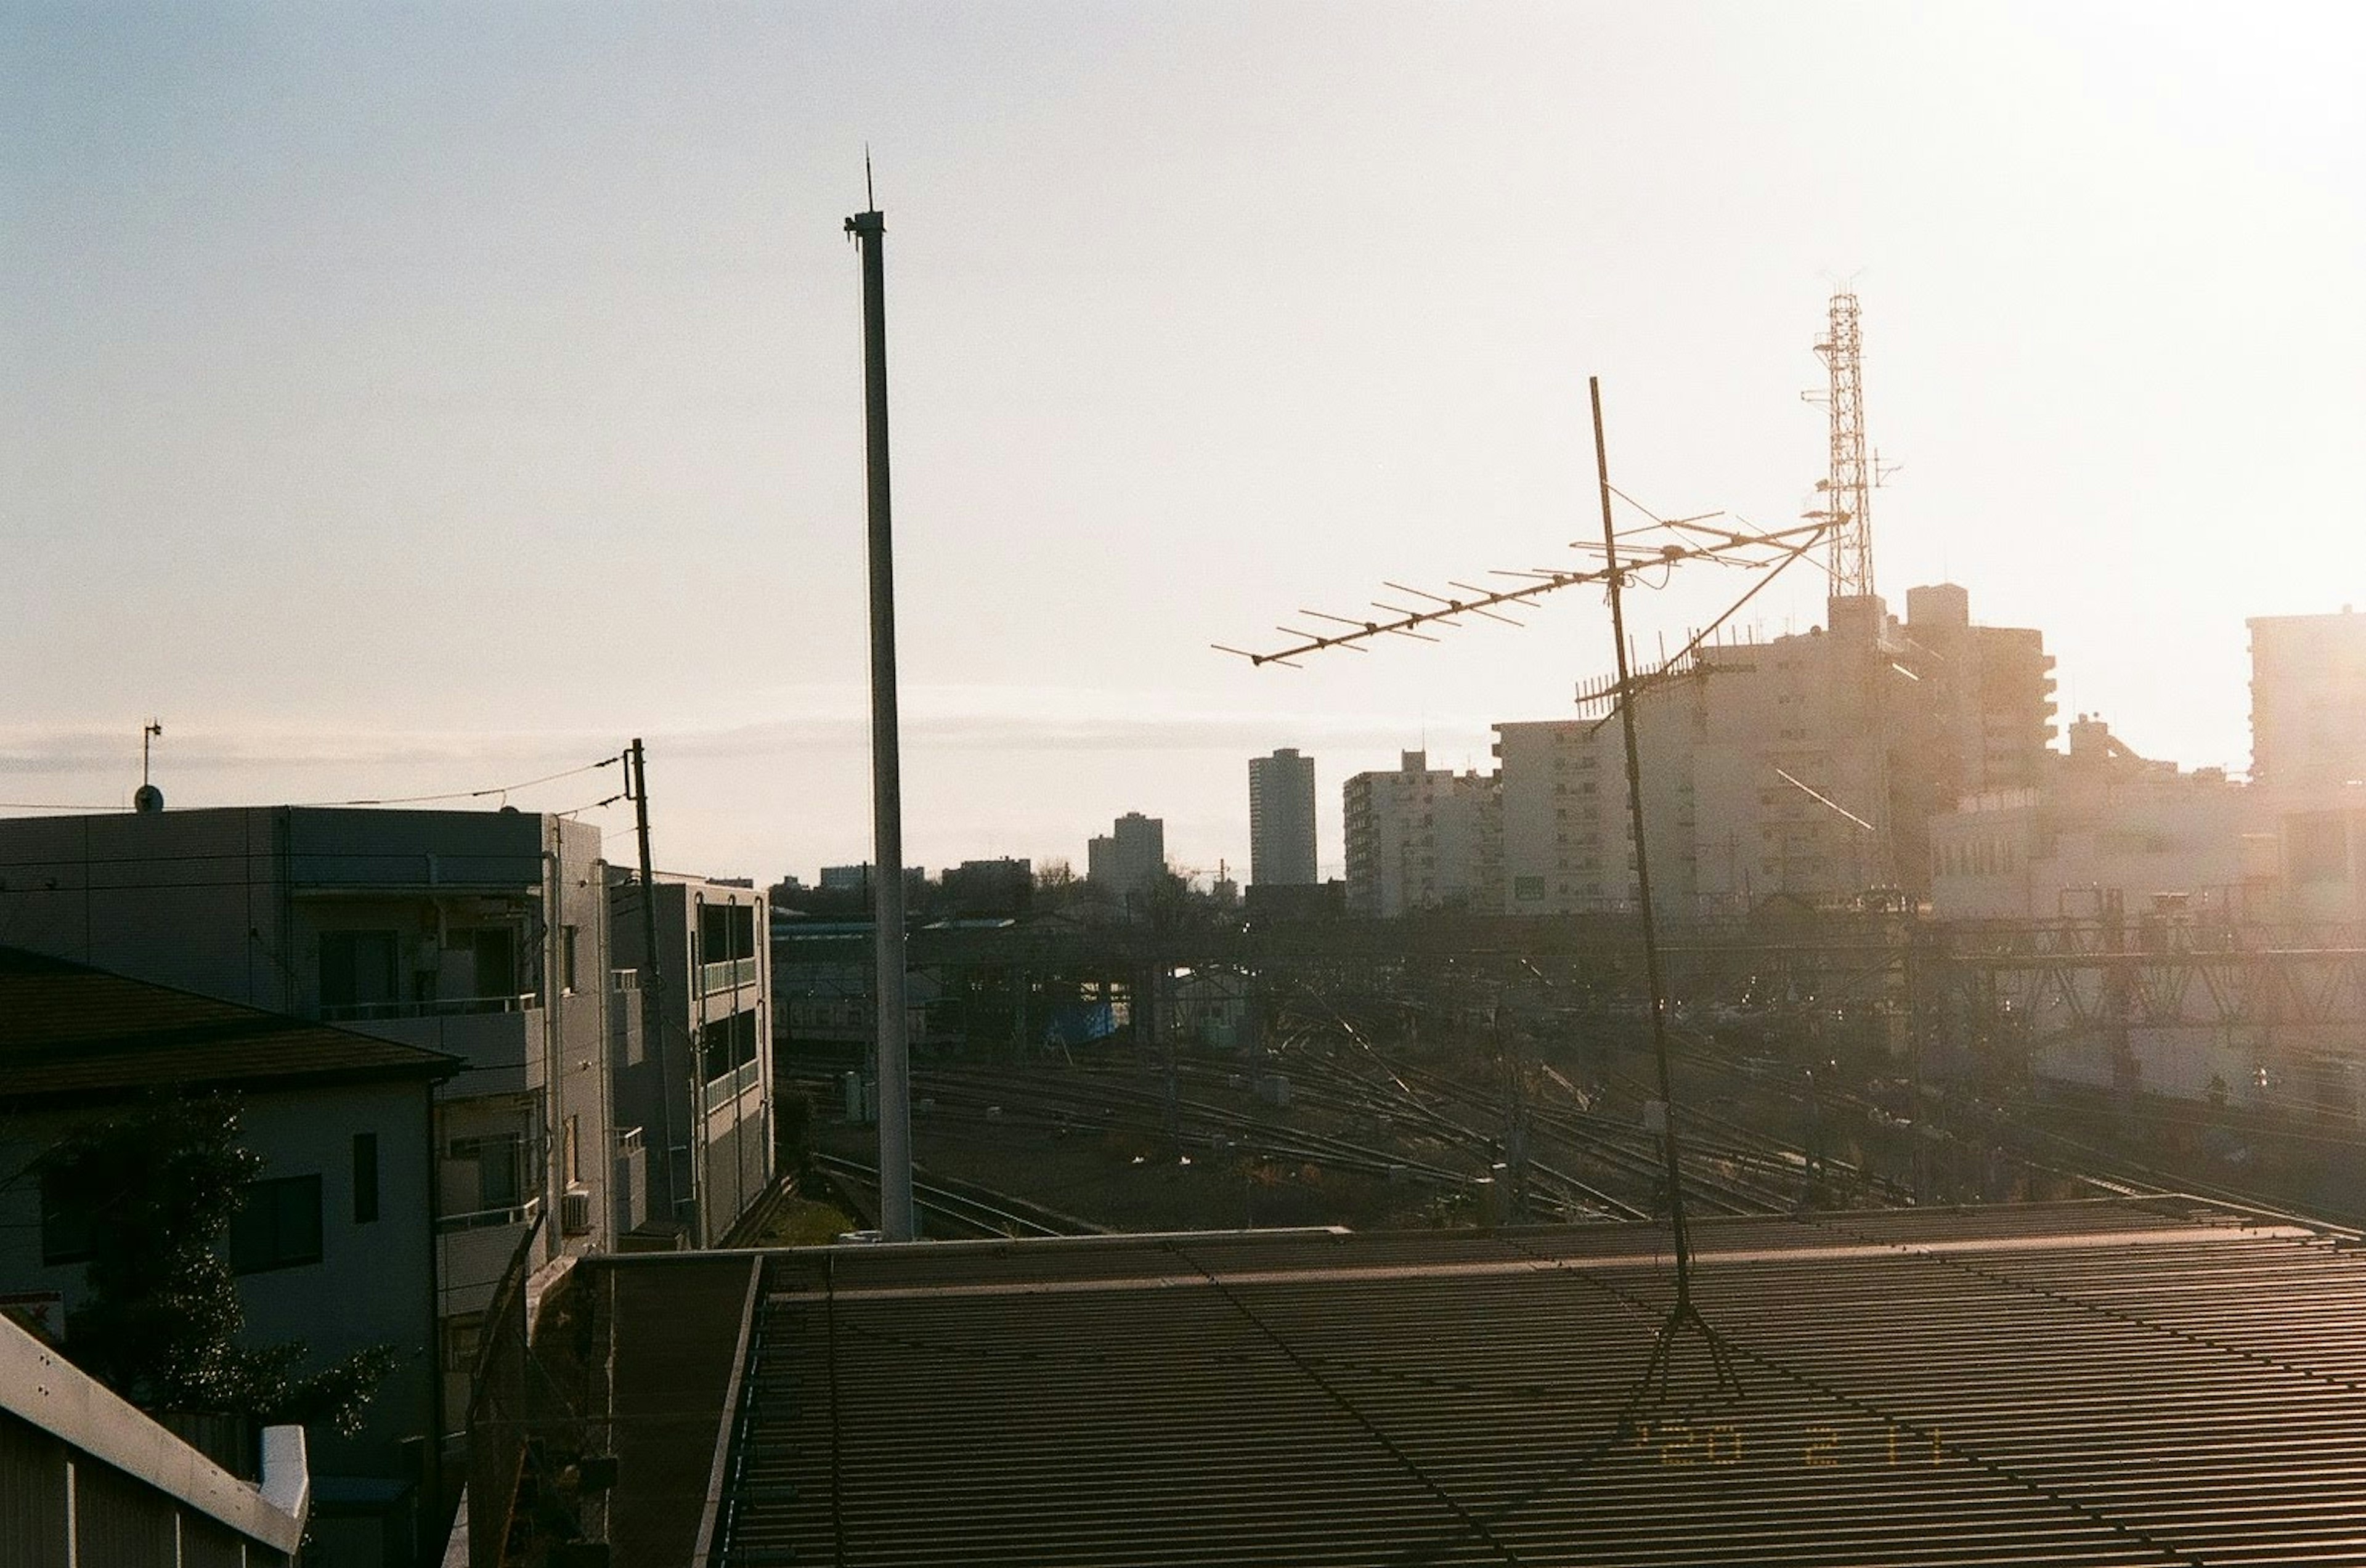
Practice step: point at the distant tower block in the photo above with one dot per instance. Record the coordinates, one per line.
(1848, 491)
(1281, 819)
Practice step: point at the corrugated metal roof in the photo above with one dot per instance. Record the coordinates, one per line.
(67, 1031)
(2076, 1384)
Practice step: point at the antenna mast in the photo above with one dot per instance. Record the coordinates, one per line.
(897, 1220)
(1848, 490)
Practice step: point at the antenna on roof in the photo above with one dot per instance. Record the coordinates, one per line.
(148, 799)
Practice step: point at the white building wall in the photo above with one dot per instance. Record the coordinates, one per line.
(1422, 839)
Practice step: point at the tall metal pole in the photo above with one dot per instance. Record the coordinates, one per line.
(653, 1015)
(1643, 874)
(895, 1217)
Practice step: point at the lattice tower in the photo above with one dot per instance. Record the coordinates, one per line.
(1848, 491)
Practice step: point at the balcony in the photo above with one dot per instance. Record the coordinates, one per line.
(444, 1007)
(500, 1037)
(722, 1091)
(472, 1250)
(728, 975)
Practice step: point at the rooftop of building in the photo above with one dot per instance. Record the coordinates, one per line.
(71, 1033)
(2122, 1381)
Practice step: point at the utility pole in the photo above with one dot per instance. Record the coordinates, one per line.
(896, 1216)
(653, 1018)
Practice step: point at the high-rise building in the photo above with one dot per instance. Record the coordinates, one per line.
(2308, 699)
(1809, 767)
(1423, 839)
(1125, 860)
(1281, 819)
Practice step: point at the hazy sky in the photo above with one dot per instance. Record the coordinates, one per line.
(397, 401)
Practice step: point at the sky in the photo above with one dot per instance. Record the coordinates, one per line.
(421, 400)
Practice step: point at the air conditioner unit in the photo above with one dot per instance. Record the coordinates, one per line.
(575, 1211)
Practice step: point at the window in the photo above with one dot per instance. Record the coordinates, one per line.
(365, 1177)
(1526, 887)
(492, 952)
(727, 931)
(499, 1168)
(277, 1225)
(66, 1223)
(357, 969)
(566, 958)
(726, 1044)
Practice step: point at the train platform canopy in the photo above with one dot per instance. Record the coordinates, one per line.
(2122, 1381)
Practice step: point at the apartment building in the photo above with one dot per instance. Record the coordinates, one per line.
(1422, 838)
(1568, 841)
(1806, 767)
(2106, 830)
(2308, 699)
(696, 1076)
(1129, 857)
(482, 935)
(1281, 819)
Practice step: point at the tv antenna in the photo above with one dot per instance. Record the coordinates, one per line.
(1660, 545)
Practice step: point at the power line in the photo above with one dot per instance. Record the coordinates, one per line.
(386, 800)
(472, 794)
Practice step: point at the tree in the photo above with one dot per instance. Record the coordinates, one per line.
(157, 1189)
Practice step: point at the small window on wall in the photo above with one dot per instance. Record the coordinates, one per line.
(66, 1224)
(365, 1177)
(277, 1227)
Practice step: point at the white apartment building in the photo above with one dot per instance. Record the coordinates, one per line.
(1806, 767)
(2107, 831)
(1423, 839)
(696, 1078)
(2308, 699)
(1568, 844)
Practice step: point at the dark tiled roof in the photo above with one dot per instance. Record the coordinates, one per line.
(72, 1032)
(2082, 1383)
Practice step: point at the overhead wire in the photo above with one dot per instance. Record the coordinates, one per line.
(474, 794)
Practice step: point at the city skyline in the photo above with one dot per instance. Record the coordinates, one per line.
(420, 405)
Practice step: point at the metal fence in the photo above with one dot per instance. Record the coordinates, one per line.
(499, 1418)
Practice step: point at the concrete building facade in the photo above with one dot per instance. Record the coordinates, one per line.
(699, 1085)
(1129, 857)
(1423, 839)
(2107, 831)
(482, 935)
(1808, 767)
(2308, 699)
(1281, 819)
